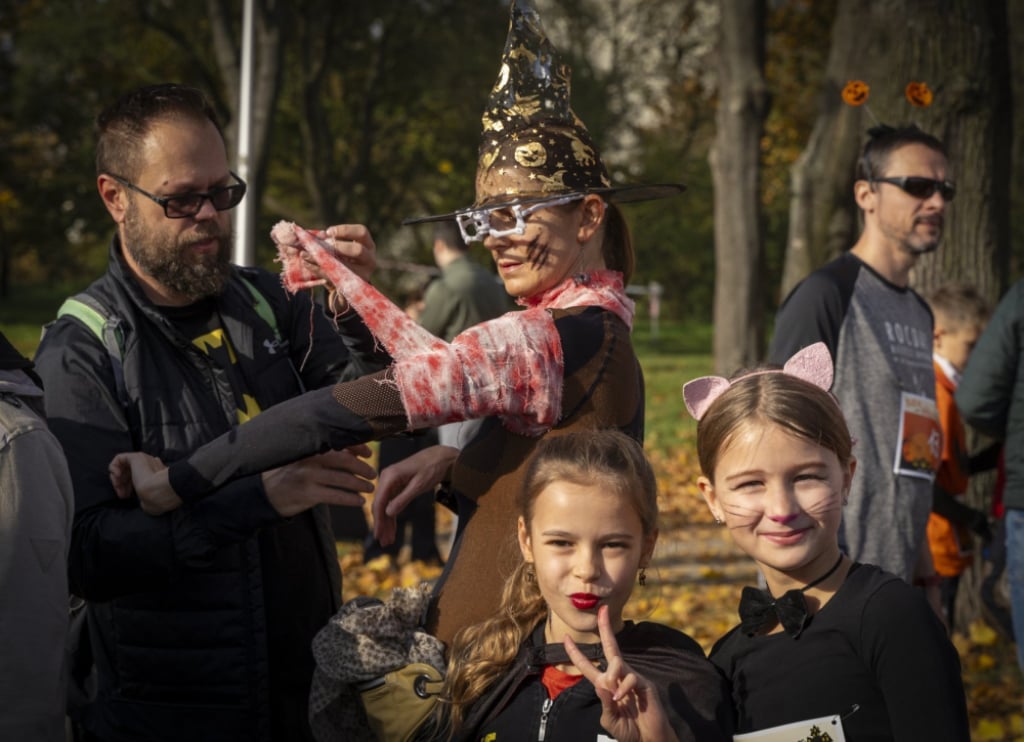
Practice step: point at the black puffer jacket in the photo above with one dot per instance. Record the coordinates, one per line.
(179, 604)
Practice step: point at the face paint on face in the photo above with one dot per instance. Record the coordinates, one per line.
(781, 498)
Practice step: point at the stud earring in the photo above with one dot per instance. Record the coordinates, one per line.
(642, 577)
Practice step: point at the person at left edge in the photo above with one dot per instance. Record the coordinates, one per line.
(36, 504)
(200, 620)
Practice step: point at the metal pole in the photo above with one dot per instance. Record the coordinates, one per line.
(244, 253)
(654, 291)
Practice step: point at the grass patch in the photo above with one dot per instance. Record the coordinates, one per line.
(671, 337)
(671, 353)
(24, 312)
(668, 424)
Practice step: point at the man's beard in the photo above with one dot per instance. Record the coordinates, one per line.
(172, 262)
(918, 247)
(921, 248)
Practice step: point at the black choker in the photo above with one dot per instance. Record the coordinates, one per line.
(759, 610)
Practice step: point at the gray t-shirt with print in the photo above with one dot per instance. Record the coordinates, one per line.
(880, 336)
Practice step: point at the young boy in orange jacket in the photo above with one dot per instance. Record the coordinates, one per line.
(960, 316)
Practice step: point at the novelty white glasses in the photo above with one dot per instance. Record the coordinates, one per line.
(501, 221)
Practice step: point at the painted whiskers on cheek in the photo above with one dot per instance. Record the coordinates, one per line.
(744, 516)
(741, 516)
(828, 503)
(538, 252)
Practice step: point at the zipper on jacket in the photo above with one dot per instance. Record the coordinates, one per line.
(544, 719)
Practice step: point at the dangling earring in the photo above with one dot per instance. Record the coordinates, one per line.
(530, 575)
(642, 577)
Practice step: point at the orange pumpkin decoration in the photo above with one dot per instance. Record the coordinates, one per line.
(856, 93)
(919, 94)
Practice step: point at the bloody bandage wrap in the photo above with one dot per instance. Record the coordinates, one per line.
(502, 367)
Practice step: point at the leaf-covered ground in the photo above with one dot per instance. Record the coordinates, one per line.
(694, 586)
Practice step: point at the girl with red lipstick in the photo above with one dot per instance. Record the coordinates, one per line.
(558, 661)
(832, 645)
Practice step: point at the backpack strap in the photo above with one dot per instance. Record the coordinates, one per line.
(88, 310)
(261, 305)
(94, 315)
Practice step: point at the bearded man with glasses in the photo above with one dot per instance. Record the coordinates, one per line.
(200, 621)
(879, 332)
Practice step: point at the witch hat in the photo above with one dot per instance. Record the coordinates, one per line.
(533, 145)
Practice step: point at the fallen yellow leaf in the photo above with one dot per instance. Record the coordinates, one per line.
(982, 634)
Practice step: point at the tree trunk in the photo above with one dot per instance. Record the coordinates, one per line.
(960, 49)
(735, 163)
(5, 263)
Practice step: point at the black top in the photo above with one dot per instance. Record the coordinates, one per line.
(692, 692)
(875, 654)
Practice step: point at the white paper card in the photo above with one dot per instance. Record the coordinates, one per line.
(825, 729)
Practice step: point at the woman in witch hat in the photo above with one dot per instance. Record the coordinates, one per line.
(547, 212)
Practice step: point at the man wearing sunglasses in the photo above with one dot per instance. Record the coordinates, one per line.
(879, 332)
(200, 621)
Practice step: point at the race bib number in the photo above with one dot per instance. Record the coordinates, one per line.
(920, 437)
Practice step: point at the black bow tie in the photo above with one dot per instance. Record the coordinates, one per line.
(759, 611)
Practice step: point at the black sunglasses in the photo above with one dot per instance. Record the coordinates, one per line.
(922, 188)
(190, 204)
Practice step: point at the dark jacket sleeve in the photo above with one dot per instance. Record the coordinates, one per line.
(313, 332)
(994, 369)
(915, 666)
(116, 548)
(694, 693)
(324, 419)
(814, 311)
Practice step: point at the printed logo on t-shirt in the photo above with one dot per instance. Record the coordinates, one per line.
(216, 346)
(908, 335)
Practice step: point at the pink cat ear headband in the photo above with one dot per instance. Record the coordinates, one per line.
(812, 364)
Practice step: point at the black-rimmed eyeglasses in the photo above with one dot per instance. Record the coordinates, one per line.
(189, 204)
(920, 187)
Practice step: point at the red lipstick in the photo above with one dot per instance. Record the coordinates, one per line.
(584, 601)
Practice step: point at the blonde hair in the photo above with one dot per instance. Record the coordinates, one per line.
(481, 653)
(958, 305)
(797, 406)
